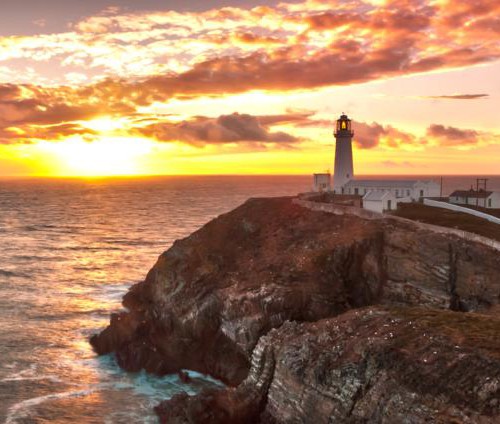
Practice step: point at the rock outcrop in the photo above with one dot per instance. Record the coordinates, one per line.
(261, 298)
(375, 364)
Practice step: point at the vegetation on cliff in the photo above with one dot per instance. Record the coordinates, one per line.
(452, 219)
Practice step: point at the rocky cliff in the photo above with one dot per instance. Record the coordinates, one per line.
(274, 299)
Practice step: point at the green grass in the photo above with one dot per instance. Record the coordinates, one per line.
(475, 331)
(447, 218)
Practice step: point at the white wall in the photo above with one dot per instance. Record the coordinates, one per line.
(381, 205)
(484, 203)
(495, 200)
(457, 208)
(343, 167)
(420, 190)
(321, 182)
(374, 206)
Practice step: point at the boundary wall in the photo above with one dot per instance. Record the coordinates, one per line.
(332, 208)
(457, 208)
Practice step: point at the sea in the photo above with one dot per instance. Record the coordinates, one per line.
(69, 250)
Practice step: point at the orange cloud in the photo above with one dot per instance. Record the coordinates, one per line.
(414, 34)
(134, 60)
(368, 136)
(233, 128)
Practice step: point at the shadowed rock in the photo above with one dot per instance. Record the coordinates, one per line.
(210, 302)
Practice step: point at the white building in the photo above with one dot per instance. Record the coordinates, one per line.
(398, 191)
(343, 167)
(403, 190)
(482, 198)
(322, 182)
(379, 201)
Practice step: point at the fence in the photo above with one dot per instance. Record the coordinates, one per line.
(303, 201)
(456, 208)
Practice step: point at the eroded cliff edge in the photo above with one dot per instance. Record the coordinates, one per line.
(212, 300)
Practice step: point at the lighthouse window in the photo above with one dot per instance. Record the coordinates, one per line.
(344, 126)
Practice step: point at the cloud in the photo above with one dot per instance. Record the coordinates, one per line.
(292, 116)
(128, 60)
(459, 96)
(28, 134)
(451, 136)
(356, 41)
(368, 136)
(234, 128)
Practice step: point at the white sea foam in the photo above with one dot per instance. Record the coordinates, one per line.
(114, 291)
(52, 378)
(23, 374)
(21, 409)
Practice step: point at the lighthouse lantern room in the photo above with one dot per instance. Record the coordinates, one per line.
(343, 168)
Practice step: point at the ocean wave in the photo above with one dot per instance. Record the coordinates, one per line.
(113, 291)
(83, 248)
(39, 227)
(38, 258)
(20, 410)
(51, 378)
(7, 273)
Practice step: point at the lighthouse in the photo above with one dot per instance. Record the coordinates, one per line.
(343, 168)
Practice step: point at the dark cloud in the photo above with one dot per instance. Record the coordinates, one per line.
(250, 38)
(451, 136)
(27, 134)
(9, 92)
(459, 96)
(332, 20)
(233, 128)
(297, 118)
(280, 71)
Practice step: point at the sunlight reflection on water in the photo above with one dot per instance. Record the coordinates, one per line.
(69, 250)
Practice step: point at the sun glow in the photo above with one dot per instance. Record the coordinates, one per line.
(105, 157)
(104, 124)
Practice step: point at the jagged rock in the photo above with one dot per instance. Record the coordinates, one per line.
(376, 365)
(211, 297)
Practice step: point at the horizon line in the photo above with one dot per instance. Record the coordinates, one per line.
(94, 177)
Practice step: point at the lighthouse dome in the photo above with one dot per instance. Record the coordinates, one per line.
(343, 126)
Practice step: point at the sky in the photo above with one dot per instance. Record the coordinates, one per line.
(170, 87)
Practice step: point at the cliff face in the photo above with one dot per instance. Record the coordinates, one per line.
(377, 365)
(210, 302)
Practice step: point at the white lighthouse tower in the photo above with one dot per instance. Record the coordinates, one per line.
(343, 169)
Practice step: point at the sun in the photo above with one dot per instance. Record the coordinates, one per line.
(104, 124)
(103, 157)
